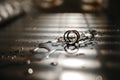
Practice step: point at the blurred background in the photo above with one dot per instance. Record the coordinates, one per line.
(24, 24)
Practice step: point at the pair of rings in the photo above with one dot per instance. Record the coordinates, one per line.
(71, 38)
